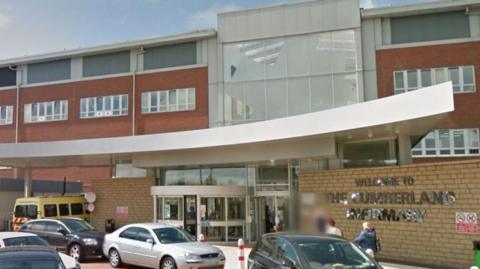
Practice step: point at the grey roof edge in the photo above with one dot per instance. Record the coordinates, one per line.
(413, 9)
(158, 40)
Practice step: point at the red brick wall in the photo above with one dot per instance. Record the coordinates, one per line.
(76, 128)
(7, 132)
(466, 114)
(174, 121)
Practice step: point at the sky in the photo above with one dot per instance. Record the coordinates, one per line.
(29, 27)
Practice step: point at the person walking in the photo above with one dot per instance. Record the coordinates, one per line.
(367, 239)
(332, 229)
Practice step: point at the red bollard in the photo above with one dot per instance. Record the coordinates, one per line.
(241, 254)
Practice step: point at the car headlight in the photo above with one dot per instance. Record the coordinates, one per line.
(221, 256)
(90, 241)
(192, 258)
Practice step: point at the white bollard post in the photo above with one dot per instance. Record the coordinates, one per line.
(201, 238)
(241, 254)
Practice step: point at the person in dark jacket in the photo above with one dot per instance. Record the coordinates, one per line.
(367, 239)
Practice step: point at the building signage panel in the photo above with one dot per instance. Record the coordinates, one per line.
(466, 222)
(122, 212)
(376, 204)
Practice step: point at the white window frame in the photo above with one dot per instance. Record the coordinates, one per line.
(103, 111)
(8, 115)
(165, 104)
(42, 111)
(460, 88)
(471, 145)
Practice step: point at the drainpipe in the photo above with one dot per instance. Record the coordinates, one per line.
(134, 89)
(14, 68)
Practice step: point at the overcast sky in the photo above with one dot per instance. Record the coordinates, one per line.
(38, 26)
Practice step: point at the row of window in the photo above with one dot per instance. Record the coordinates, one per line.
(448, 142)
(104, 106)
(462, 77)
(168, 100)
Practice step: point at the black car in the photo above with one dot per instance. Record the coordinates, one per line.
(295, 251)
(30, 257)
(75, 236)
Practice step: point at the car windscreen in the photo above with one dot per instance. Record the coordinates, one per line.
(172, 235)
(30, 264)
(324, 253)
(77, 225)
(26, 211)
(24, 241)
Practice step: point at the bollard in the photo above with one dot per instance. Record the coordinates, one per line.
(201, 238)
(241, 254)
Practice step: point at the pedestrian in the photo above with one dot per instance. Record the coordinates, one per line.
(332, 229)
(367, 239)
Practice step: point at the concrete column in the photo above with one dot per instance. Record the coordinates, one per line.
(404, 149)
(27, 184)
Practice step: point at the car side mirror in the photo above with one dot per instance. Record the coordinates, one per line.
(288, 264)
(62, 231)
(150, 241)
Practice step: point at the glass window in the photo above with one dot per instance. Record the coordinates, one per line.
(173, 208)
(345, 89)
(40, 112)
(468, 78)
(454, 76)
(182, 177)
(234, 99)
(236, 208)
(254, 101)
(235, 233)
(275, 58)
(167, 100)
(213, 209)
(214, 234)
(52, 227)
(6, 115)
(321, 53)
(244, 61)
(24, 241)
(143, 235)
(129, 233)
(426, 77)
(99, 107)
(298, 56)
(440, 75)
(276, 99)
(50, 210)
(399, 82)
(298, 96)
(39, 226)
(285, 251)
(29, 211)
(454, 142)
(343, 51)
(172, 236)
(76, 209)
(267, 246)
(228, 176)
(321, 92)
(412, 80)
(63, 208)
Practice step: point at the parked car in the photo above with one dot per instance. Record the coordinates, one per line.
(9, 239)
(295, 251)
(76, 236)
(160, 246)
(31, 258)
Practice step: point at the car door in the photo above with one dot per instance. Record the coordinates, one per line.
(36, 227)
(55, 237)
(146, 253)
(126, 244)
(262, 259)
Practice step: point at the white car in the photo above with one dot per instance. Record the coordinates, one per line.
(160, 246)
(18, 239)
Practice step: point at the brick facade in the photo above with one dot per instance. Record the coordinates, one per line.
(132, 193)
(77, 128)
(434, 242)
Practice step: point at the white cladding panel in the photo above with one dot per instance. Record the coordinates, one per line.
(288, 19)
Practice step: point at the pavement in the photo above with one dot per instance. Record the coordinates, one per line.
(231, 261)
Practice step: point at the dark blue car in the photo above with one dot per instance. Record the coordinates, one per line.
(30, 258)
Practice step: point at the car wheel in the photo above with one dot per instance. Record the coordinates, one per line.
(75, 251)
(168, 263)
(114, 258)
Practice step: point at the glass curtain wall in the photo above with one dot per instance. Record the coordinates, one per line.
(280, 77)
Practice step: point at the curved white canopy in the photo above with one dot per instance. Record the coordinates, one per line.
(412, 113)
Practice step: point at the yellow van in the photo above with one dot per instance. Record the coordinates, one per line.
(50, 207)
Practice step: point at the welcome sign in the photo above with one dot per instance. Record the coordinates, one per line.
(377, 202)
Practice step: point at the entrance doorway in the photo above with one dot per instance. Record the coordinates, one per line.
(190, 210)
(270, 214)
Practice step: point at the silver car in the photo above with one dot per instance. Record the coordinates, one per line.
(160, 246)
